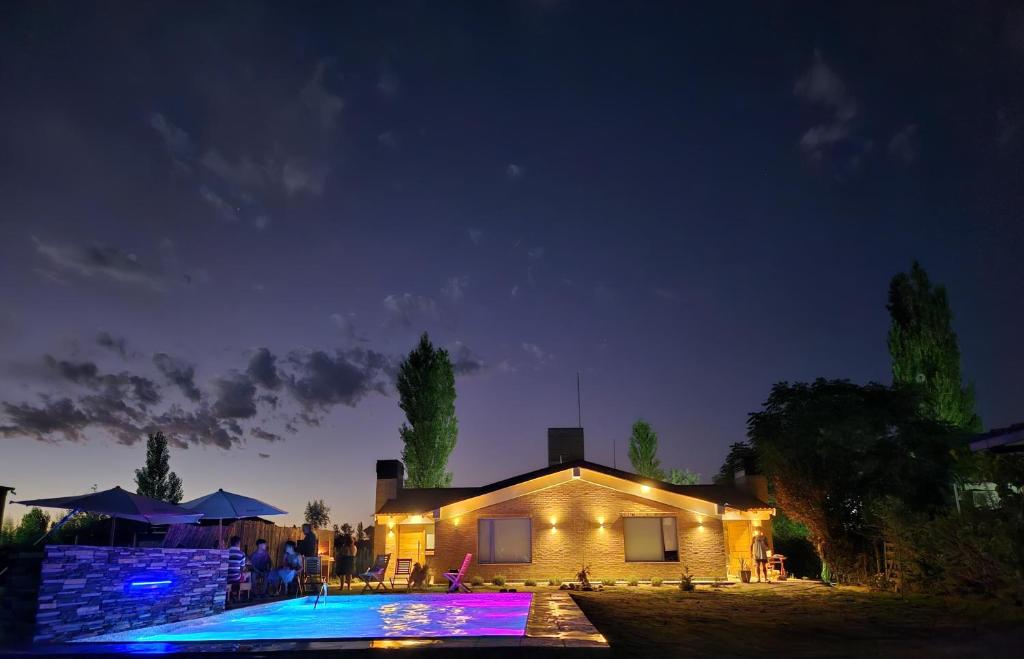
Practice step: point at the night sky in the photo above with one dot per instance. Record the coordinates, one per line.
(230, 220)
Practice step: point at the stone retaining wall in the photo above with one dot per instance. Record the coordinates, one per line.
(85, 591)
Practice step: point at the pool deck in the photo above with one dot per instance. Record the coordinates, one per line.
(554, 622)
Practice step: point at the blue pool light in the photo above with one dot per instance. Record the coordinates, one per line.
(161, 582)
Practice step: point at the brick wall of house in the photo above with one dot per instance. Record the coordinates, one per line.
(578, 539)
(85, 591)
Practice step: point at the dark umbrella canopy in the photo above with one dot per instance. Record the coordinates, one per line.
(228, 505)
(122, 504)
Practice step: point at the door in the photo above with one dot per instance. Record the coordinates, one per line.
(738, 535)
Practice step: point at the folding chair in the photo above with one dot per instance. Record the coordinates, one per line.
(376, 573)
(402, 571)
(455, 578)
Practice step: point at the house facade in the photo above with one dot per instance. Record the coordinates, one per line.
(550, 522)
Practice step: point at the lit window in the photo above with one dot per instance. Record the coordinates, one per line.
(650, 539)
(504, 540)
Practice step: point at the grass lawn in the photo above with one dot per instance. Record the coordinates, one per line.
(797, 619)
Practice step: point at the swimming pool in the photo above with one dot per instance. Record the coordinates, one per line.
(348, 617)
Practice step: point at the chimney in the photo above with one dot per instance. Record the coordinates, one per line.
(565, 445)
(390, 476)
(753, 484)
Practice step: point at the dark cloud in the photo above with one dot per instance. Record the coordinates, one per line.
(407, 309)
(179, 373)
(117, 344)
(59, 416)
(464, 361)
(114, 385)
(199, 426)
(263, 369)
(346, 377)
(264, 455)
(260, 433)
(236, 397)
(100, 262)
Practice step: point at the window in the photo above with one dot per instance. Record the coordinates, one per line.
(504, 540)
(650, 539)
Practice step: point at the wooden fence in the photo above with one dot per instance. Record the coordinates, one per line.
(192, 536)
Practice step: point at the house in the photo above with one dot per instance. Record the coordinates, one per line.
(998, 441)
(549, 522)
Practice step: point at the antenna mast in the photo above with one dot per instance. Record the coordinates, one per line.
(579, 403)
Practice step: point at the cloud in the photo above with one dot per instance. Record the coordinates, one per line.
(199, 426)
(535, 253)
(179, 373)
(904, 144)
(540, 358)
(236, 397)
(464, 360)
(454, 288)
(321, 102)
(226, 210)
(514, 172)
(113, 343)
(822, 87)
(260, 433)
(59, 416)
(476, 236)
(177, 142)
(96, 261)
(263, 369)
(263, 455)
(304, 175)
(324, 380)
(515, 291)
(115, 385)
(389, 139)
(407, 308)
(347, 327)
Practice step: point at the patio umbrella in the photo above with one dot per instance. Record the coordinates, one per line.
(221, 505)
(118, 503)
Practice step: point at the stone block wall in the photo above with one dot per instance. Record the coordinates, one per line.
(85, 591)
(579, 539)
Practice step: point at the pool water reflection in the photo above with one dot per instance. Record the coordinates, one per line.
(350, 616)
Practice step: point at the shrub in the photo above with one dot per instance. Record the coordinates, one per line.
(554, 582)
(686, 581)
(655, 582)
(498, 580)
(633, 582)
(477, 581)
(529, 582)
(609, 582)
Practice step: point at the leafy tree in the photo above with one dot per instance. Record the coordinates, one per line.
(925, 351)
(33, 525)
(833, 450)
(683, 477)
(7, 531)
(318, 514)
(643, 451)
(741, 456)
(426, 389)
(156, 479)
(359, 531)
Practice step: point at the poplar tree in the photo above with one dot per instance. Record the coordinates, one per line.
(643, 451)
(925, 351)
(155, 479)
(426, 390)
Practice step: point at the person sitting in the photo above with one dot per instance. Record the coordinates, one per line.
(419, 576)
(236, 561)
(261, 567)
(290, 566)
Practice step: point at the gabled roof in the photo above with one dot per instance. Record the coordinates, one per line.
(1001, 440)
(422, 500)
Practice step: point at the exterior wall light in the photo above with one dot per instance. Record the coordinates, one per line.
(553, 522)
(645, 488)
(456, 521)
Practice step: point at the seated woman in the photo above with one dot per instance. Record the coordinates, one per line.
(290, 566)
(261, 567)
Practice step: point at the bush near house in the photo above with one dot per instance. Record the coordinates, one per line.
(655, 582)
(477, 581)
(498, 580)
(609, 582)
(633, 582)
(529, 582)
(554, 582)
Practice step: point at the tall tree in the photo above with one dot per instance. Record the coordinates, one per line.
(741, 456)
(426, 390)
(925, 351)
(643, 451)
(318, 514)
(156, 479)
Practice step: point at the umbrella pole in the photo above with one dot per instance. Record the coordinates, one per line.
(220, 534)
(113, 526)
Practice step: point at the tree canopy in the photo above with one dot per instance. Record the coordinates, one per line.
(925, 350)
(155, 479)
(318, 514)
(426, 390)
(643, 450)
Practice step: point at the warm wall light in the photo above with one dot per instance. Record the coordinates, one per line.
(600, 522)
(645, 488)
(391, 523)
(416, 519)
(553, 521)
(456, 521)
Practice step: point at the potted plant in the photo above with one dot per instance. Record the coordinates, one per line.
(744, 571)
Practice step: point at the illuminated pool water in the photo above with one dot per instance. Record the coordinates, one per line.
(350, 616)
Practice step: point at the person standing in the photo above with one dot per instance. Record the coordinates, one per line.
(308, 544)
(236, 561)
(760, 550)
(345, 554)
